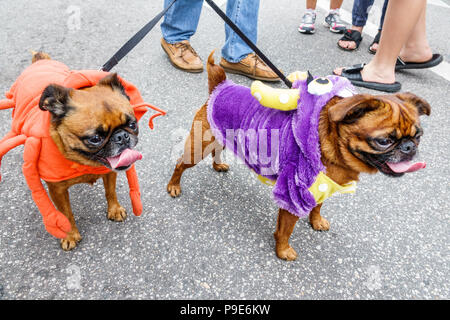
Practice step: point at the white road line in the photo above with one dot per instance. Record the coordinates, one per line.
(219, 3)
(443, 69)
(438, 3)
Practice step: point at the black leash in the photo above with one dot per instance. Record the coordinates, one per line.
(130, 44)
(127, 47)
(248, 42)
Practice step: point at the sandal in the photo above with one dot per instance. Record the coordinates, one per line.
(434, 61)
(351, 35)
(375, 40)
(354, 75)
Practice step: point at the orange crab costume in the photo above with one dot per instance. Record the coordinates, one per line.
(42, 159)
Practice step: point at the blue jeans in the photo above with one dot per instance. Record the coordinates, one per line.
(360, 12)
(181, 22)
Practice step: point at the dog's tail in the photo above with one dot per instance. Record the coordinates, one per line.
(36, 56)
(216, 74)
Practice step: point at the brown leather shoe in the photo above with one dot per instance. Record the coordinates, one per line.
(183, 56)
(251, 66)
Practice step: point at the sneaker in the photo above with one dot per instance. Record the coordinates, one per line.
(251, 66)
(307, 23)
(334, 22)
(183, 56)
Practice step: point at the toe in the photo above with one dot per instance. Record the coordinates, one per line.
(338, 71)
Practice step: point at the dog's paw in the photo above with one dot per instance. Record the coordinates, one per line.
(70, 241)
(174, 190)
(117, 213)
(221, 167)
(321, 224)
(288, 254)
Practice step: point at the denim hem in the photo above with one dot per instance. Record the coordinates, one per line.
(235, 60)
(174, 41)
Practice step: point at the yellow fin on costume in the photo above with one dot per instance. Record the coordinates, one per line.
(281, 99)
(324, 187)
(266, 181)
(297, 75)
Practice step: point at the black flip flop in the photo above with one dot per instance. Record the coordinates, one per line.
(375, 40)
(434, 61)
(354, 75)
(351, 35)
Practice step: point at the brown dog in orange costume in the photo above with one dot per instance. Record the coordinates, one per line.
(77, 127)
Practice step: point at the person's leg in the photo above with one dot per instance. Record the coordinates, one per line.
(383, 14)
(333, 19)
(237, 57)
(181, 21)
(417, 49)
(244, 13)
(335, 4)
(311, 4)
(374, 46)
(360, 13)
(397, 28)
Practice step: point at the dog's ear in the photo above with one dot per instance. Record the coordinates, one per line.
(113, 81)
(55, 99)
(423, 107)
(348, 110)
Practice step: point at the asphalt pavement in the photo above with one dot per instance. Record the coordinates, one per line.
(388, 241)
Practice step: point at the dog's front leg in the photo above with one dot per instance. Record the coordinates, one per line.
(59, 194)
(115, 211)
(285, 225)
(318, 222)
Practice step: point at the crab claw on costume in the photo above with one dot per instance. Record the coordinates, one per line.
(57, 224)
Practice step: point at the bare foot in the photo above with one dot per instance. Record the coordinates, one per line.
(416, 54)
(374, 47)
(372, 74)
(351, 45)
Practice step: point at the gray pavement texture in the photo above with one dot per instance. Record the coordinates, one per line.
(389, 241)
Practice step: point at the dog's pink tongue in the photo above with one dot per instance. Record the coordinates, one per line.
(406, 166)
(125, 159)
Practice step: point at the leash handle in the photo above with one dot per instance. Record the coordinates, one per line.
(130, 44)
(248, 42)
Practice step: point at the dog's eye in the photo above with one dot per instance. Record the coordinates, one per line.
(384, 142)
(95, 140)
(418, 135)
(132, 125)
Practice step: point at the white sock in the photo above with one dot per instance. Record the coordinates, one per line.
(334, 11)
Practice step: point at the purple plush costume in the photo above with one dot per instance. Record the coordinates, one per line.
(279, 145)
